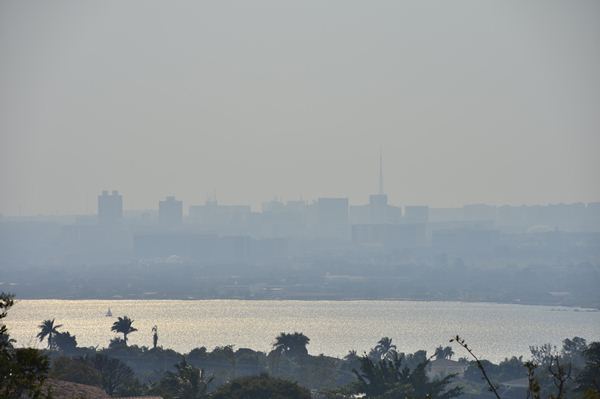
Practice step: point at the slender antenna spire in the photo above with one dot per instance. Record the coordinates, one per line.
(380, 172)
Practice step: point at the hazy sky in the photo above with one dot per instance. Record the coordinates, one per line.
(470, 101)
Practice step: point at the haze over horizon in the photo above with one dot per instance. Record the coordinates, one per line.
(470, 102)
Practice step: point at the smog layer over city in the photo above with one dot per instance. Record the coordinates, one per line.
(307, 199)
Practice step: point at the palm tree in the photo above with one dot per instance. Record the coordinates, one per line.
(48, 329)
(293, 344)
(188, 382)
(124, 326)
(65, 342)
(391, 378)
(351, 355)
(439, 352)
(384, 348)
(448, 352)
(6, 302)
(443, 352)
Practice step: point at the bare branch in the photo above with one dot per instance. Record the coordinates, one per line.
(462, 343)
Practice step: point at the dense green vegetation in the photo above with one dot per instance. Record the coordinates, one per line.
(289, 371)
(22, 371)
(259, 387)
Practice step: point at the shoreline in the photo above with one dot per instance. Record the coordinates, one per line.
(576, 308)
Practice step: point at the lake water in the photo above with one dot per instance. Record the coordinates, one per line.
(334, 327)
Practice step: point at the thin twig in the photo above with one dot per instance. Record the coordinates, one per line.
(462, 343)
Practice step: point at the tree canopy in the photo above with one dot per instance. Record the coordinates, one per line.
(292, 344)
(261, 387)
(123, 325)
(22, 371)
(389, 378)
(48, 329)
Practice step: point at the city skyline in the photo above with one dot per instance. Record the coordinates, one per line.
(212, 198)
(470, 102)
(91, 208)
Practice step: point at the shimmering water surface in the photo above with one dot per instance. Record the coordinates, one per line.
(493, 330)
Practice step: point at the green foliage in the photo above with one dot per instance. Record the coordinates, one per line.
(443, 352)
(574, 346)
(6, 302)
(552, 372)
(123, 325)
(588, 380)
(22, 371)
(148, 364)
(223, 354)
(549, 372)
(351, 361)
(511, 369)
(261, 387)
(542, 355)
(389, 378)
(65, 342)
(573, 351)
(77, 370)
(506, 370)
(473, 372)
(534, 390)
(116, 377)
(111, 374)
(250, 362)
(412, 360)
(223, 363)
(117, 343)
(187, 382)
(48, 329)
(384, 374)
(383, 350)
(293, 344)
(318, 372)
(198, 353)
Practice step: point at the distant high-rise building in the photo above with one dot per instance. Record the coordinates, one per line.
(332, 211)
(222, 219)
(380, 212)
(170, 211)
(416, 214)
(378, 209)
(332, 218)
(378, 203)
(110, 207)
(279, 219)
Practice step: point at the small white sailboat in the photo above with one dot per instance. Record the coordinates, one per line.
(108, 313)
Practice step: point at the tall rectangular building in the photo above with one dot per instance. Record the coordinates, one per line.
(170, 211)
(378, 205)
(110, 207)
